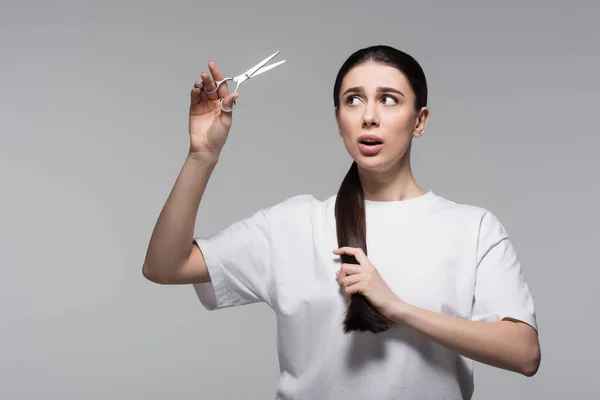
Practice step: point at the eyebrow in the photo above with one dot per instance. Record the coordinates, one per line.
(380, 89)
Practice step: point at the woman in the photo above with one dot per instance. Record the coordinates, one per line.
(441, 287)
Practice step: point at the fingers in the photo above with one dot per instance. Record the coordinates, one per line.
(223, 90)
(229, 100)
(209, 82)
(209, 85)
(357, 252)
(350, 280)
(350, 284)
(349, 269)
(351, 289)
(206, 84)
(196, 92)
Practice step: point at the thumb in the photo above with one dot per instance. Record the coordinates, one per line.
(228, 105)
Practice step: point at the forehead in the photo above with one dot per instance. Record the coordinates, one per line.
(372, 75)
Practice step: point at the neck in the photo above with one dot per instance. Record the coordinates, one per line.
(394, 184)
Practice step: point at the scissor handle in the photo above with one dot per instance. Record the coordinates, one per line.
(231, 109)
(218, 83)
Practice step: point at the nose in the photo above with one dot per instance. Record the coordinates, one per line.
(370, 117)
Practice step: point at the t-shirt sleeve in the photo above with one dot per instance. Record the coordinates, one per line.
(500, 287)
(238, 261)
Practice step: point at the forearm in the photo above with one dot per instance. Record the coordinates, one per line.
(171, 240)
(503, 344)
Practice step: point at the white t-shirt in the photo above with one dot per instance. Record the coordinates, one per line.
(451, 258)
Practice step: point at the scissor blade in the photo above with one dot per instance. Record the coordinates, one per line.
(252, 70)
(268, 67)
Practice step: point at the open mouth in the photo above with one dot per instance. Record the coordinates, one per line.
(370, 142)
(370, 146)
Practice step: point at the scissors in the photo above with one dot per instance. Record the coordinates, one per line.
(254, 71)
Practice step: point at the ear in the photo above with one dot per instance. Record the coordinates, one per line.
(421, 122)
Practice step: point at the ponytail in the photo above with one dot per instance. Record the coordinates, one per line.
(352, 231)
(350, 205)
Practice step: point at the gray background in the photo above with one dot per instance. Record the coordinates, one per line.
(94, 100)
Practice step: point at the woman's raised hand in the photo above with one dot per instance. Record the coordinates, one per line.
(209, 125)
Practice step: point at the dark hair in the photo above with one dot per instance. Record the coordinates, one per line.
(349, 205)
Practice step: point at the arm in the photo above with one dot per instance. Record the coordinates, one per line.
(506, 344)
(172, 258)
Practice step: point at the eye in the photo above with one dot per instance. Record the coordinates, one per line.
(349, 100)
(392, 101)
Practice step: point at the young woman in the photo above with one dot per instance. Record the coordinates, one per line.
(439, 287)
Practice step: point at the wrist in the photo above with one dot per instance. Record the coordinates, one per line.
(401, 311)
(203, 157)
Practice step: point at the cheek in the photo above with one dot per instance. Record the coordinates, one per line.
(400, 122)
(350, 121)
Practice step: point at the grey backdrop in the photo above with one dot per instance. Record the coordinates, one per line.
(94, 100)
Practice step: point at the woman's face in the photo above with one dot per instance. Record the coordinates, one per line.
(377, 100)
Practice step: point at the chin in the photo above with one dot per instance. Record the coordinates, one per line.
(378, 163)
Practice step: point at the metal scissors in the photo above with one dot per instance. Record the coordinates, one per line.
(254, 71)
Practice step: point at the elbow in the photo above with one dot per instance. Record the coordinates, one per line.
(530, 369)
(151, 275)
(531, 364)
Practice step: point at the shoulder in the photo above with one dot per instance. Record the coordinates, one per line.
(464, 209)
(297, 207)
(481, 218)
(292, 204)
(296, 217)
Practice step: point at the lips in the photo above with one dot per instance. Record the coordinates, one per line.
(370, 140)
(370, 150)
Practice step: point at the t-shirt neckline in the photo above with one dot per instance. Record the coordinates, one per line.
(413, 202)
(392, 207)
